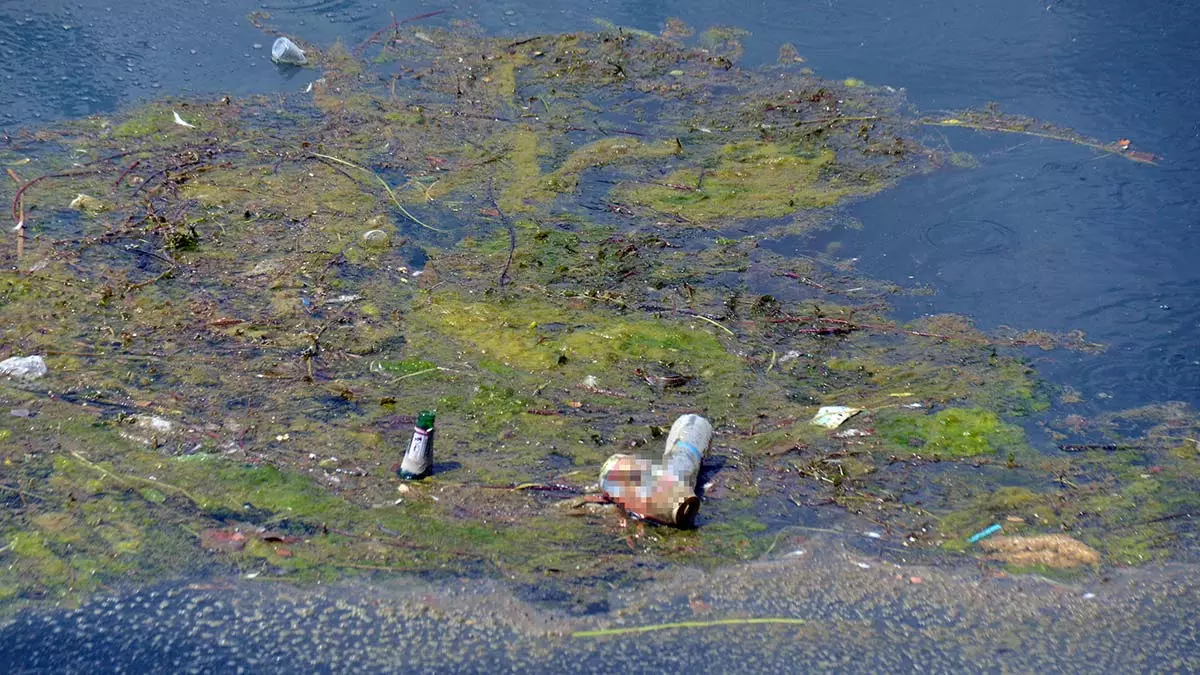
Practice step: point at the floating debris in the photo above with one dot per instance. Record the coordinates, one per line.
(832, 416)
(986, 532)
(1052, 550)
(376, 238)
(88, 204)
(663, 492)
(26, 368)
(237, 286)
(285, 52)
(182, 122)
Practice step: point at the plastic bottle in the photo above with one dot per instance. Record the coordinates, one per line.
(688, 442)
(418, 461)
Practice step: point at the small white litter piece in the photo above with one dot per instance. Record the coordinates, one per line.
(156, 424)
(832, 416)
(182, 122)
(852, 433)
(28, 368)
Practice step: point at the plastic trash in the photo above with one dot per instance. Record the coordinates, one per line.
(418, 461)
(182, 122)
(286, 52)
(662, 491)
(686, 444)
(376, 238)
(985, 532)
(88, 204)
(24, 367)
(832, 416)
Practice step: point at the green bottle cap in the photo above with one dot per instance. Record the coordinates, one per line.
(425, 419)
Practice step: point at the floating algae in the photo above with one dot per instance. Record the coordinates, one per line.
(558, 213)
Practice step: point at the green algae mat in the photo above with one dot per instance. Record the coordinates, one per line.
(555, 243)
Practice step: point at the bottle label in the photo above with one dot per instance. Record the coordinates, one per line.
(693, 450)
(417, 459)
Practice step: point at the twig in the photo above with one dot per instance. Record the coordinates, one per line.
(512, 235)
(20, 228)
(1136, 156)
(123, 478)
(64, 174)
(382, 182)
(131, 167)
(419, 372)
(547, 487)
(149, 282)
(705, 318)
(846, 326)
(1095, 446)
(686, 312)
(394, 26)
(359, 566)
(803, 279)
(426, 15)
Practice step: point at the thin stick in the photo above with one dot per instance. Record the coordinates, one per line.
(604, 632)
(131, 167)
(512, 235)
(419, 372)
(394, 26)
(426, 15)
(20, 228)
(846, 326)
(705, 318)
(385, 187)
(65, 174)
(359, 566)
(1112, 150)
(123, 478)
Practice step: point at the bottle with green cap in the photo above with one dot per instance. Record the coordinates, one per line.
(418, 461)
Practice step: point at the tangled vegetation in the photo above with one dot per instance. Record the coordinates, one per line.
(555, 243)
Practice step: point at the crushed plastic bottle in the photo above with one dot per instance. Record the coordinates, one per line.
(285, 52)
(662, 491)
(418, 461)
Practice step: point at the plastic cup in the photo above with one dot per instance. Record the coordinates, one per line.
(285, 52)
